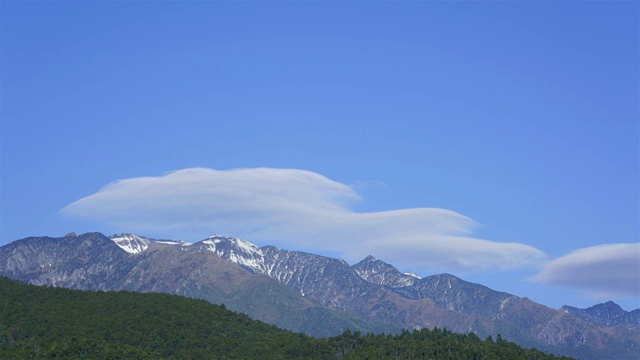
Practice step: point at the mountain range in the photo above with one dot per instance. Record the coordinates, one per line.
(317, 295)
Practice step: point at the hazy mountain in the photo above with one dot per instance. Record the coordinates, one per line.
(295, 290)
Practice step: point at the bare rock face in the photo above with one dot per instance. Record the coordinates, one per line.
(315, 294)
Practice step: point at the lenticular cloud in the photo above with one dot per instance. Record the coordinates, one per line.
(299, 210)
(604, 270)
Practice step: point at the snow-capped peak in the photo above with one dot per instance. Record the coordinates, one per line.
(134, 244)
(236, 250)
(131, 243)
(235, 242)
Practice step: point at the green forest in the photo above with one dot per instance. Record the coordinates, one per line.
(56, 323)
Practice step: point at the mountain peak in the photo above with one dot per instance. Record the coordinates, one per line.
(380, 273)
(608, 309)
(608, 305)
(131, 243)
(236, 250)
(607, 314)
(135, 244)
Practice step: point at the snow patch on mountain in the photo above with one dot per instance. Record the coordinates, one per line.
(238, 251)
(133, 244)
(172, 242)
(380, 273)
(412, 275)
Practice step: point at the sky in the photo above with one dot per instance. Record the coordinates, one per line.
(495, 141)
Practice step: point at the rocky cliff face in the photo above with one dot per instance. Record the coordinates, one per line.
(296, 290)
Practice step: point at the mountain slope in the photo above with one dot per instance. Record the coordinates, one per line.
(291, 289)
(94, 262)
(41, 322)
(377, 290)
(45, 323)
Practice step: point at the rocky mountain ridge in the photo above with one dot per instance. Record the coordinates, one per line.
(607, 315)
(289, 288)
(94, 262)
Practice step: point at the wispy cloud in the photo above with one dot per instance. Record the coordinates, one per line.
(603, 271)
(296, 209)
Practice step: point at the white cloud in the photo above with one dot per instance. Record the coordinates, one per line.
(296, 209)
(603, 270)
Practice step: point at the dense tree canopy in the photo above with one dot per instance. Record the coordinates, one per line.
(55, 323)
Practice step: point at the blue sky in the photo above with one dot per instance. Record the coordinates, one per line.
(497, 141)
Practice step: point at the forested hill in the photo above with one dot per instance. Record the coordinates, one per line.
(40, 322)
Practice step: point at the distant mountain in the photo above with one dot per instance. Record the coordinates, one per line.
(294, 289)
(608, 314)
